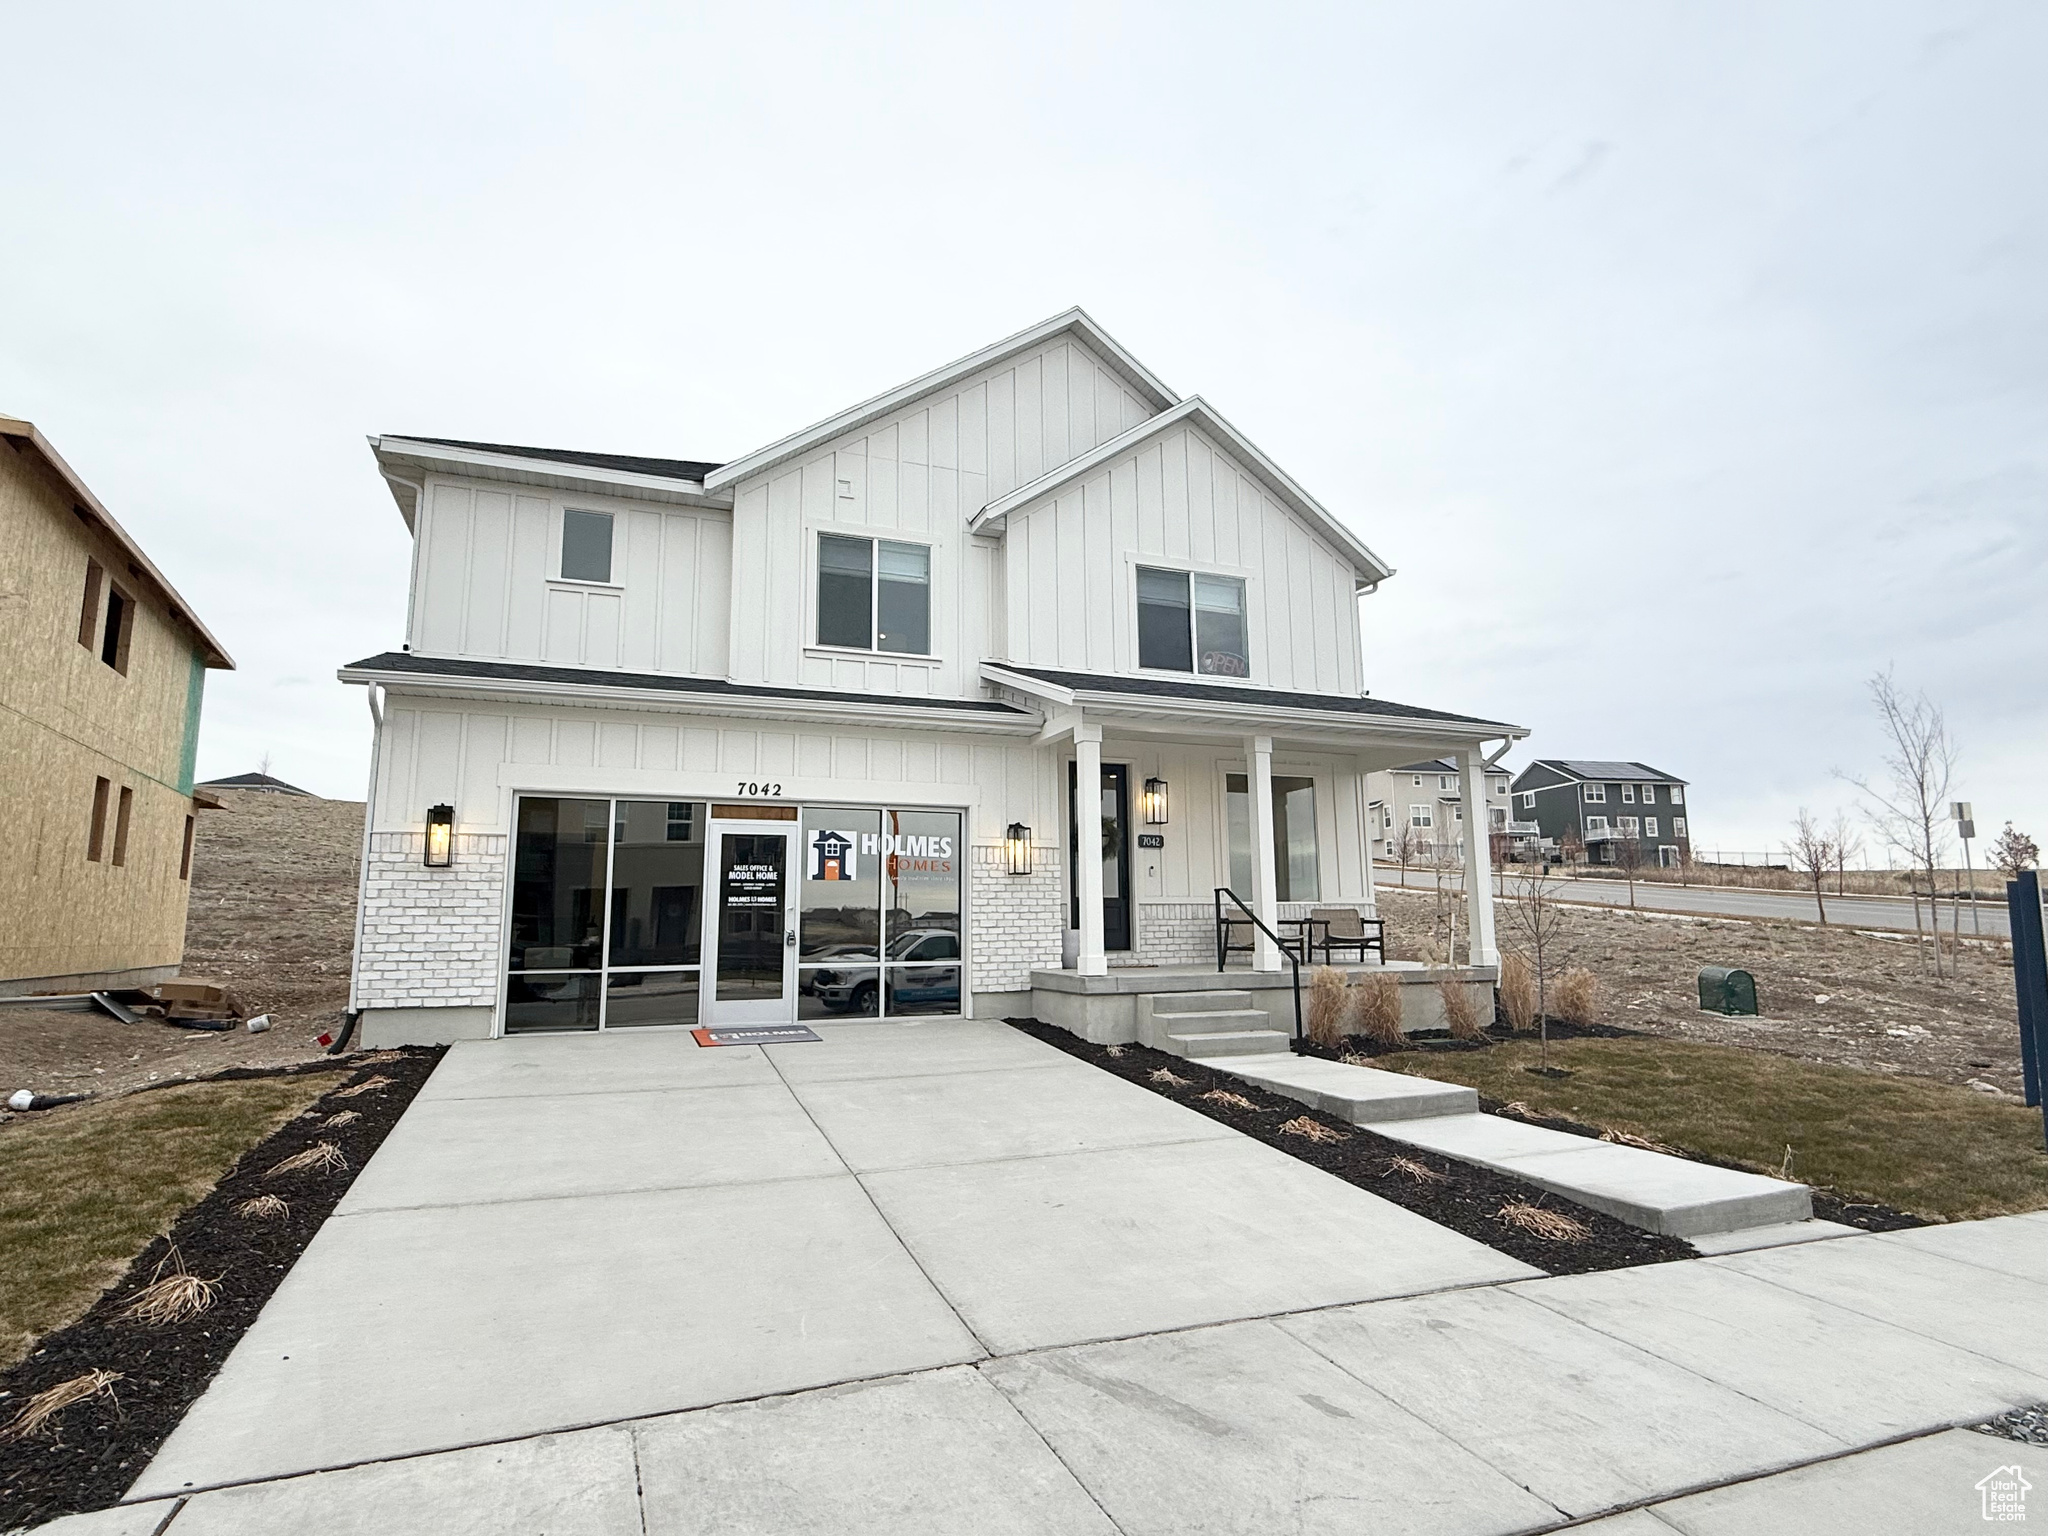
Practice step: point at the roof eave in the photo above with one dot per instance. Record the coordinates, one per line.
(13, 427)
(410, 453)
(855, 417)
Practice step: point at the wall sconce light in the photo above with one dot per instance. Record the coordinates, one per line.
(440, 836)
(1017, 848)
(1154, 802)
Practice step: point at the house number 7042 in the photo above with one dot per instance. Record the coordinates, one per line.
(748, 788)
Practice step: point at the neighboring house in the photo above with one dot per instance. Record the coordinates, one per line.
(260, 781)
(99, 730)
(1427, 799)
(1603, 806)
(796, 736)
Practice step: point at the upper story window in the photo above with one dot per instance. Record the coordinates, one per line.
(1678, 826)
(1192, 622)
(1528, 799)
(1594, 794)
(874, 595)
(1677, 795)
(119, 628)
(1420, 816)
(1628, 794)
(1443, 781)
(1649, 794)
(586, 546)
(1596, 824)
(1500, 786)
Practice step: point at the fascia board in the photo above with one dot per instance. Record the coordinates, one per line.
(410, 453)
(217, 657)
(661, 701)
(1199, 411)
(854, 417)
(1023, 682)
(1424, 733)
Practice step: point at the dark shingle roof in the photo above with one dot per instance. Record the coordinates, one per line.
(455, 669)
(670, 469)
(255, 781)
(1593, 768)
(1273, 698)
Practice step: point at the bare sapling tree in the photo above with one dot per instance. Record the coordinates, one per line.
(1571, 848)
(1445, 864)
(1405, 848)
(1848, 845)
(1812, 852)
(1627, 853)
(1908, 805)
(2014, 853)
(1538, 919)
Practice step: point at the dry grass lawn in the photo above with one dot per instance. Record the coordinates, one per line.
(82, 1189)
(1938, 1151)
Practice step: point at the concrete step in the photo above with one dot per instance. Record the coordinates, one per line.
(1362, 1095)
(1211, 1021)
(1237, 1042)
(1200, 1002)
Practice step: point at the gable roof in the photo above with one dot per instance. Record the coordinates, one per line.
(1583, 769)
(262, 781)
(402, 460)
(1076, 320)
(27, 439)
(1197, 412)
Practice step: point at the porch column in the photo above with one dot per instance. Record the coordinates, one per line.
(1478, 860)
(1370, 820)
(1258, 755)
(1093, 960)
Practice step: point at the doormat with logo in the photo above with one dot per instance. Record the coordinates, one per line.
(763, 1034)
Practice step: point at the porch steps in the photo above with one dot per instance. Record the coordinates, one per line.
(1652, 1190)
(1206, 1025)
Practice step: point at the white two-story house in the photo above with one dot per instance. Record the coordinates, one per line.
(798, 736)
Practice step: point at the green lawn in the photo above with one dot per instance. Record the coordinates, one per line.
(1940, 1152)
(83, 1189)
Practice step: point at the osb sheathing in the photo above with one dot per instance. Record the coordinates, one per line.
(66, 719)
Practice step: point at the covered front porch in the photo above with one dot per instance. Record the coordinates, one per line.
(1213, 787)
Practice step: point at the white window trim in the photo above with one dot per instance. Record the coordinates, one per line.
(1678, 826)
(1677, 794)
(1593, 794)
(1650, 827)
(1421, 818)
(1596, 824)
(1628, 794)
(555, 577)
(815, 532)
(1256, 662)
(1528, 799)
(1628, 826)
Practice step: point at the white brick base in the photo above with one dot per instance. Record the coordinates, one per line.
(1016, 920)
(430, 936)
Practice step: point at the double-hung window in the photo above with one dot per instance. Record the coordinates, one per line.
(1678, 826)
(1593, 794)
(1192, 622)
(1649, 794)
(1650, 826)
(1596, 824)
(1677, 795)
(1628, 794)
(1420, 816)
(874, 594)
(1528, 799)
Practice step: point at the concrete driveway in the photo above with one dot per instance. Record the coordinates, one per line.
(936, 1278)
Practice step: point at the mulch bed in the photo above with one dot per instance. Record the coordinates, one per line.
(91, 1452)
(1466, 1199)
(1439, 1042)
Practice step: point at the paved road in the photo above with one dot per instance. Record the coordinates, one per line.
(1003, 1292)
(1893, 913)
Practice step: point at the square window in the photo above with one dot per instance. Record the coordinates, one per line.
(586, 546)
(1192, 623)
(1594, 794)
(874, 595)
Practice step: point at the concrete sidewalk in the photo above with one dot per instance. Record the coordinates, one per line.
(1034, 1298)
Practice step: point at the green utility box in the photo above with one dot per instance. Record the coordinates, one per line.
(1725, 990)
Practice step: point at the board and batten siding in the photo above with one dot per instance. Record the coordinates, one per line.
(473, 757)
(486, 585)
(1179, 501)
(918, 475)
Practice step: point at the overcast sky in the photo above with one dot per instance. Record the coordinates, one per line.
(1690, 362)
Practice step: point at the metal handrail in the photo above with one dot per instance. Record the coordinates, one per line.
(1222, 949)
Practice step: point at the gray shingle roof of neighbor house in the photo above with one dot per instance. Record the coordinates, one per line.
(255, 781)
(1324, 703)
(1434, 765)
(455, 669)
(1593, 769)
(674, 469)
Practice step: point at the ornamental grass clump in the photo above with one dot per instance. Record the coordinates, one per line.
(335, 1122)
(1518, 991)
(1376, 1009)
(321, 1157)
(1313, 1130)
(38, 1412)
(1460, 1017)
(1233, 1100)
(1417, 1172)
(172, 1295)
(1550, 1226)
(1328, 1002)
(1577, 997)
(263, 1208)
(1166, 1077)
(367, 1085)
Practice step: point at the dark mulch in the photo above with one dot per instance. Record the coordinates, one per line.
(1439, 1042)
(97, 1448)
(1468, 1199)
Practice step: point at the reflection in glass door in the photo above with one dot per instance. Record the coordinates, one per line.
(752, 934)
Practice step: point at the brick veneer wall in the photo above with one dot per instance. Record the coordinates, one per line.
(430, 936)
(1016, 921)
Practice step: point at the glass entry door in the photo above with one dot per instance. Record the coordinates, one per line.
(751, 937)
(1116, 854)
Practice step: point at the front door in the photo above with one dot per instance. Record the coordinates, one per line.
(1116, 855)
(750, 950)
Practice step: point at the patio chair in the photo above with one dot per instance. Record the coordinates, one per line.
(1347, 928)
